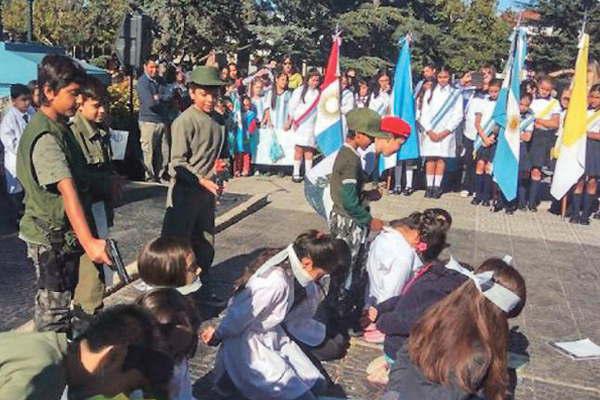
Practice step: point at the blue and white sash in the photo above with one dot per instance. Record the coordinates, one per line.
(487, 130)
(446, 107)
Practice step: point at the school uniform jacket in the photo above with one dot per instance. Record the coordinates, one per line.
(381, 103)
(445, 148)
(256, 351)
(304, 130)
(11, 129)
(390, 264)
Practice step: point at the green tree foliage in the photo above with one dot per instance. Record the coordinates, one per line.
(558, 50)
(461, 34)
(66, 23)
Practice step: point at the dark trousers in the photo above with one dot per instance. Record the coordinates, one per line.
(468, 165)
(17, 205)
(192, 216)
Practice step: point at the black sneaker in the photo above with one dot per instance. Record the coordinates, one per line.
(437, 192)
(409, 191)
(509, 211)
(486, 203)
(574, 219)
(533, 208)
(428, 192)
(584, 221)
(497, 207)
(476, 201)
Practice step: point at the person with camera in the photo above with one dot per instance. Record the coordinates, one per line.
(195, 174)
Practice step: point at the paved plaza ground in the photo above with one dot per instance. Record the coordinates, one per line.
(560, 262)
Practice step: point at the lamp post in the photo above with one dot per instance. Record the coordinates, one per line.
(30, 21)
(1, 25)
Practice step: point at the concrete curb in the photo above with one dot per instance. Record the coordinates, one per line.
(222, 222)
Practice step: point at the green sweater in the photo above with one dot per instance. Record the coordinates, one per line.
(346, 182)
(31, 365)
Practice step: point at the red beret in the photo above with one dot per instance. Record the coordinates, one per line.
(395, 126)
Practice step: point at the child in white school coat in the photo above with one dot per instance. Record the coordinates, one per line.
(302, 119)
(380, 98)
(441, 114)
(12, 126)
(391, 263)
(268, 328)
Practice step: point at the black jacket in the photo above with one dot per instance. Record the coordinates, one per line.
(408, 383)
(397, 316)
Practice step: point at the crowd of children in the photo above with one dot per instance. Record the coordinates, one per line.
(443, 324)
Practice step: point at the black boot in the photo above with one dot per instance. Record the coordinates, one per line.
(533, 195)
(587, 209)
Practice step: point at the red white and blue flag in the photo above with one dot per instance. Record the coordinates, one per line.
(328, 126)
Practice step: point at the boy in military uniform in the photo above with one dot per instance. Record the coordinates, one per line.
(196, 146)
(50, 167)
(105, 187)
(350, 218)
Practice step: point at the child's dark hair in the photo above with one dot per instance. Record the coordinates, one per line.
(439, 70)
(525, 95)
(164, 261)
(327, 253)
(442, 216)
(93, 89)
(432, 227)
(171, 309)
(311, 72)
(595, 88)
(123, 324)
(495, 82)
(57, 72)
(376, 89)
(17, 90)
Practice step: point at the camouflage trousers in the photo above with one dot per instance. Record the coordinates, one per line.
(56, 279)
(348, 288)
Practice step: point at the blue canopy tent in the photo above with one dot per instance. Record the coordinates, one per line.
(19, 63)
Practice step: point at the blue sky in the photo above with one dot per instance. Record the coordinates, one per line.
(514, 4)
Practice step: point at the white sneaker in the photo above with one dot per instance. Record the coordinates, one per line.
(464, 193)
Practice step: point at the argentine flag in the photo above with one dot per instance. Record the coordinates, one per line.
(328, 126)
(508, 117)
(403, 106)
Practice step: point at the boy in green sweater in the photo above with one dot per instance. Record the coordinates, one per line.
(350, 218)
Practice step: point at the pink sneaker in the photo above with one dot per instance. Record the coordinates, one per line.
(374, 336)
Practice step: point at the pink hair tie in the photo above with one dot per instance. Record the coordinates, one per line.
(320, 235)
(421, 247)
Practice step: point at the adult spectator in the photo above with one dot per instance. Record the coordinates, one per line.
(153, 120)
(115, 355)
(294, 77)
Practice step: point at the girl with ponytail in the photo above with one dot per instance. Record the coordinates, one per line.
(268, 334)
(394, 259)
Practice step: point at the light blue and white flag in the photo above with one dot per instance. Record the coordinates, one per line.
(403, 106)
(508, 117)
